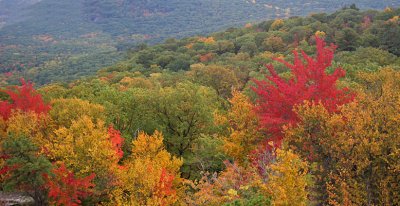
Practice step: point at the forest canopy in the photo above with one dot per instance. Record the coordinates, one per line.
(296, 111)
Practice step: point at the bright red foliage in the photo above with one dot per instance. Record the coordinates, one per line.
(65, 189)
(5, 109)
(116, 140)
(24, 98)
(278, 96)
(164, 187)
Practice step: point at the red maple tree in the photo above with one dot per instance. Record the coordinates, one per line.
(65, 189)
(23, 98)
(277, 96)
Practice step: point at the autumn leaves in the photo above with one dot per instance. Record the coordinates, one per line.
(305, 140)
(67, 154)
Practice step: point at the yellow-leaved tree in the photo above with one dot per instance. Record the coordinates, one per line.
(85, 148)
(288, 179)
(80, 140)
(285, 183)
(355, 153)
(150, 176)
(28, 124)
(242, 123)
(64, 111)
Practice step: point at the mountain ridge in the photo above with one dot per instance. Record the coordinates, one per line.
(55, 35)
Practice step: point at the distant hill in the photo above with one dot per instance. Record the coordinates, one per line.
(88, 34)
(152, 19)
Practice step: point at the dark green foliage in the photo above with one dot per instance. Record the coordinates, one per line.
(181, 62)
(145, 58)
(388, 37)
(26, 167)
(347, 39)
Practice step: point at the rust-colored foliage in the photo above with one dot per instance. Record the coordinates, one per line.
(262, 157)
(206, 57)
(310, 81)
(234, 183)
(24, 98)
(65, 189)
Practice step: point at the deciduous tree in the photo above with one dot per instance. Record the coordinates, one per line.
(288, 179)
(242, 124)
(85, 148)
(310, 81)
(150, 175)
(23, 98)
(354, 152)
(184, 113)
(65, 189)
(23, 168)
(222, 79)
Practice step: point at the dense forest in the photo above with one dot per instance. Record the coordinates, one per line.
(49, 41)
(295, 111)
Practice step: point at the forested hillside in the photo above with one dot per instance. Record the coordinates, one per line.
(56, 40)
(297, 111)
